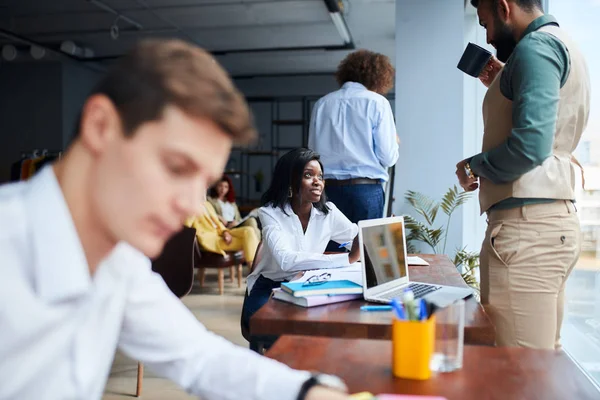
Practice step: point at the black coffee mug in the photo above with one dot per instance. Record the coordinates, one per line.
(474, 60)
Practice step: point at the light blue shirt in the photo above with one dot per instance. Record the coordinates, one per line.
(353, 130)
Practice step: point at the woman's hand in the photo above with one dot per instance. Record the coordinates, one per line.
(354, 255)
(227, 237)
(490, 71)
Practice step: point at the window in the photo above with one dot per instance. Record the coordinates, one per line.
(581, 326)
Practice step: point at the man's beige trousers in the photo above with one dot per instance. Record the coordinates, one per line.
(526, 257)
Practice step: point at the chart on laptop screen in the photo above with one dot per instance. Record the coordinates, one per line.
(383, 247)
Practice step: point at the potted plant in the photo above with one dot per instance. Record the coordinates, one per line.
(436, 235)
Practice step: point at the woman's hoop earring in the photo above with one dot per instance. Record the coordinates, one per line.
(290, 194)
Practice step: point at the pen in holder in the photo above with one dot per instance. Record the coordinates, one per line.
(412, 348)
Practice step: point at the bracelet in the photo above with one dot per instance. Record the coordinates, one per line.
(469, 171)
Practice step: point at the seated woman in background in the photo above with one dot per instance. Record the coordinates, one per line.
(297, 226)
(214, 237)
(222, 197)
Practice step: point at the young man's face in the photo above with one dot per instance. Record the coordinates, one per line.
(498, 32)
(146, 185)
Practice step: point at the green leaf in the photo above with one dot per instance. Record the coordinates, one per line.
(423, 205)
(453, 199)
(411, 248)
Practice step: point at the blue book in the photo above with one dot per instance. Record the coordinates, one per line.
(301, 289)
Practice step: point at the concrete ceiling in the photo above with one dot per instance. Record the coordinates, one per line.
(243, 34)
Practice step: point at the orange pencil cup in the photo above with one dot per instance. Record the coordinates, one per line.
(412, 348)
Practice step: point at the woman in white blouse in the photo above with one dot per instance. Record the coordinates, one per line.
(298, 223)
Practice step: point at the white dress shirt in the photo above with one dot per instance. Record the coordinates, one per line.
(353, 130)
(287, 249)
(60, 327)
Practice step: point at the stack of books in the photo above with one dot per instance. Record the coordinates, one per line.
(324, 286)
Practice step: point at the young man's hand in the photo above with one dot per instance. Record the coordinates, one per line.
(323, 393)
(490, 71)
(227, 237)
(466, 182)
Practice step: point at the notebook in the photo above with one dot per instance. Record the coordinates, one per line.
(299, 289)
(313, 301)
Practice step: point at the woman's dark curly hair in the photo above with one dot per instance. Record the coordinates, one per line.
(288, 176)
(230, 196)
(373, 70)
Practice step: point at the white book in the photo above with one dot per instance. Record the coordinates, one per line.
(313, 301)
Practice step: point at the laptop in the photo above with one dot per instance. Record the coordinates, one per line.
(385, 268)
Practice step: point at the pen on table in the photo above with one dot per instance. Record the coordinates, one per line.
(376, 308)
(397, 305)
(344, 244)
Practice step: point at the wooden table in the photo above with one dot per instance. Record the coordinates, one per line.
(488, 372)
(345, 320)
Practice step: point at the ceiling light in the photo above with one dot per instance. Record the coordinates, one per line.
(340, 25)
(37, 52)
(335, 8)
(9, 52)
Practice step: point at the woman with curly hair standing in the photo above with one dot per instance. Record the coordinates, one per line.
(354, 131)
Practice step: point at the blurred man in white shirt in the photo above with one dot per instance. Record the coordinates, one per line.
(75, 278)
(353, 130)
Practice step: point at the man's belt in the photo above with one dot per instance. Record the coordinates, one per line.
(356, 181)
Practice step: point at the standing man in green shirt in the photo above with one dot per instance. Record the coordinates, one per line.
(534, 112)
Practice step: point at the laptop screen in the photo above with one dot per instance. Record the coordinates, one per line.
(384, 253)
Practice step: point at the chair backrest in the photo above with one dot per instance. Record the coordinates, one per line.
(176, 263)
(257, 256)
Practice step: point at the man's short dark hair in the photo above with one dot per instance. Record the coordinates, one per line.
(161, 72)
(527, 5)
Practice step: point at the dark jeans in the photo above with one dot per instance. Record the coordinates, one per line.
(356, 202)
(260, 294)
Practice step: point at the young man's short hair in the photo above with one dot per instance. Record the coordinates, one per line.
(527, 5)
(161, 72)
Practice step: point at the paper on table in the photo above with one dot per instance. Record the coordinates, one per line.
(416, 261)
(351, 273)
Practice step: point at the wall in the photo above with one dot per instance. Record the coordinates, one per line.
(78, 82)
(30, 110)
(39, 104)
(429, 101)
(316, 85)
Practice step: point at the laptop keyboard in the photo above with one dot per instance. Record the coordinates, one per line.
(418, 289)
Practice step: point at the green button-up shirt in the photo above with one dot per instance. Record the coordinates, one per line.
(531, 79)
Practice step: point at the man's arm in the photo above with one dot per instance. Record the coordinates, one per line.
(161, 332)
(533, 80)
(385, 138)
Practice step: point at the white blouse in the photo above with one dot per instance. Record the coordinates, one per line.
(287, 249)
(227, 210)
